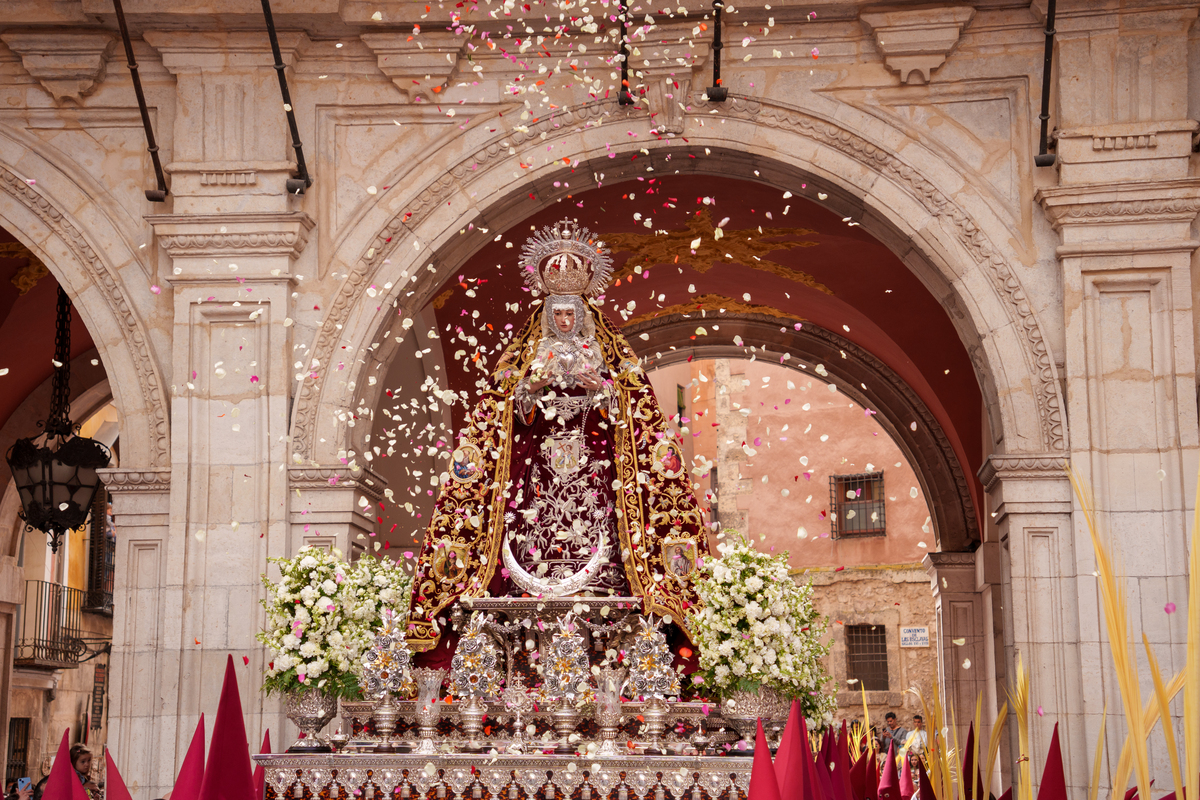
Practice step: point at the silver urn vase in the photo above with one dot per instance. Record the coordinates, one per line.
(743, 709)
(429, 686)
(566, 719)
(654, 712)
(609, 683)
(310, 710)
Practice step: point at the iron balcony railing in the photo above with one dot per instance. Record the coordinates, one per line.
(51, 633)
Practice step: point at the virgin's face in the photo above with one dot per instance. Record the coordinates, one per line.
(564, 318)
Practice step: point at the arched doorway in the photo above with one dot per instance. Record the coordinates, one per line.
(806, 288)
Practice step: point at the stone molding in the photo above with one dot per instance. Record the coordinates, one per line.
(119, 479)
(403, 227)
(1022, 466)
(931, 452)
(1154, 201)
(916, 42)
(221, 51)
(216, 235)
(135, 337)
(339, 477)
(68, 65)
(419, 66)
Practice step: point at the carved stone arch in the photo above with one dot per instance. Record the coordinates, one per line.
(415, 239)
(926, 446)
(95, 265)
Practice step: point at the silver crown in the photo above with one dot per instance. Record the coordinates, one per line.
(565, 258)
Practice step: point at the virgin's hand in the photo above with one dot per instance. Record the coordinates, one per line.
(589, 380)
(538, 385)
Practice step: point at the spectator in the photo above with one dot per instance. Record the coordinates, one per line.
(892, 733)
(81, 761)
(13, 793)
(917, 741)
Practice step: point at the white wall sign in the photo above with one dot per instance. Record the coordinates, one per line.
(914, 636)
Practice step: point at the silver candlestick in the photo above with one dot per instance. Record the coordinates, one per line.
(517, 700)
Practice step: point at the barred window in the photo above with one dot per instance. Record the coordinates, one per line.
(18, 749)
(866, 656)
(856, 505)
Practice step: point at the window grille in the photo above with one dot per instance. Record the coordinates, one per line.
(866, 656)
(857, 505)
(680, 402)
(18, 750)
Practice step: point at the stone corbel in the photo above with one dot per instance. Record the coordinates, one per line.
(668, 87)
(68, 65)
(916, 42)
(420, 66)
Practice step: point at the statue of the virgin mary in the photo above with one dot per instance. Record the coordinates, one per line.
(566, 479)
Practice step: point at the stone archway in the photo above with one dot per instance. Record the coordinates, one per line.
(415, 240)
(943, 480)
(98, 268)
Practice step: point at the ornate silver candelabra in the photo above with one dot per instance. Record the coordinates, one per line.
(386, 668)
(652, 676)
(475, 676)
(568, 679)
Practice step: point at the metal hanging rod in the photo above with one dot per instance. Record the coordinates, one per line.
(1045, 158)
(717, 93)
(303, 180)
(158, 195)
(624, 96)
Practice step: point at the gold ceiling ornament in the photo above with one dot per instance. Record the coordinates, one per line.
(746, 247)
(27, 276)
(712, 303)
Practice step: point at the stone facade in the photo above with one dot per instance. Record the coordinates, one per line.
(240, 326)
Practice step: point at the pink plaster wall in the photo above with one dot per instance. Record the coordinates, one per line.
(853, 442)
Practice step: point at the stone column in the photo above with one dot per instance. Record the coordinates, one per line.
(1123, 208)
(230, 247)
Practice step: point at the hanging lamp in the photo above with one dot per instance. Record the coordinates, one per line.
(55, 472)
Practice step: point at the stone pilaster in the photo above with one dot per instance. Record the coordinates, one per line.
(959, 612)
(147, 620)
(231, 283)
(1029, 499)
(232, 152)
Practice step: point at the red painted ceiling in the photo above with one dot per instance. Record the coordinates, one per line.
(27, 333)
(872, 298)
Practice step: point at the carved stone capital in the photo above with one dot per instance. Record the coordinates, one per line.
(1022, 466)
(118, 479)
(419, 66)
(916, 42)
(68, 65)
(310, 478)
(221, 51)
(1175, 201)
(228, 235)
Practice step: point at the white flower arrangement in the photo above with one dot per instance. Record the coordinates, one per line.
(759, 627)
(322, 615)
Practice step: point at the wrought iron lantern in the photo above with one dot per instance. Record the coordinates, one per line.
(55, 472)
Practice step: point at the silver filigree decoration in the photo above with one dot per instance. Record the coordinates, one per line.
(474, 670)
(651, 673)
(565, 258)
